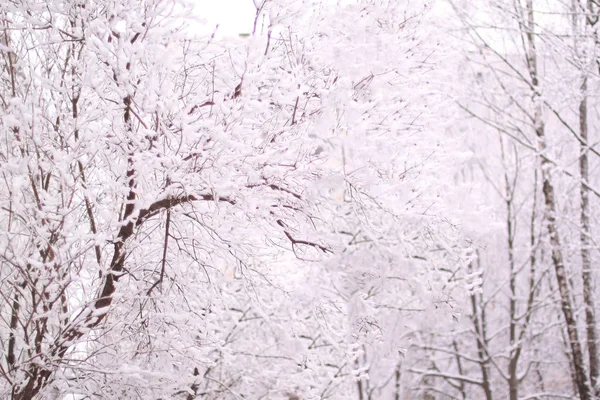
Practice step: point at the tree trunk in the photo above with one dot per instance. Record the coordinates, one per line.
(513, 381)
(479, 323)
(585, 235)
(398, 384)
(586, 265)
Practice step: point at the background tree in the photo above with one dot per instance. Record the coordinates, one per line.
(529, 63)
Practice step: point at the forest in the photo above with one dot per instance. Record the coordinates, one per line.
(359, 199)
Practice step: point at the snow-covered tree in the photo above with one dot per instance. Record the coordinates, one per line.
(187, 217)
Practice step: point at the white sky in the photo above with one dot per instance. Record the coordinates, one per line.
(233, 16)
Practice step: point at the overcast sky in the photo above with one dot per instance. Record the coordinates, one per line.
(233, 16)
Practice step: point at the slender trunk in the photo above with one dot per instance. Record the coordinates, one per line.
(585, 235)
(513, 381)
(563, 288)
(14, 320)
(586, 265)
(461, 384)
(532, 290)
(550, 217)
(398, 377)
(480, 332)
(359, 382)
